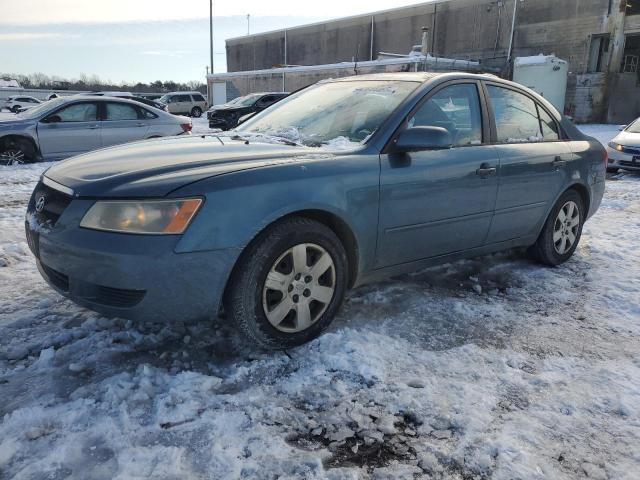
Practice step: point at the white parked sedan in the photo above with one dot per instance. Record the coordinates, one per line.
(72, 125)
(17, 103)
(624, 149)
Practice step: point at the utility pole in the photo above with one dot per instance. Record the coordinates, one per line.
(513, 25)
(248, 29)
(211, 34)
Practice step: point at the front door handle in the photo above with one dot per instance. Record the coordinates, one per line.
(93, 127)
(141, 125)
(486, 170)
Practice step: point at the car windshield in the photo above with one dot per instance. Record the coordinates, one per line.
(245, 101)
(634, 127)
(331, 113)
(165, 98)
(41, 108)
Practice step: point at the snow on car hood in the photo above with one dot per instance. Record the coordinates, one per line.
(156, 167)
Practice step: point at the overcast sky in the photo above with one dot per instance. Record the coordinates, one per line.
(145, 40)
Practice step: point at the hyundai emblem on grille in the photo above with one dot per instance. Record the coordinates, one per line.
(40, 204)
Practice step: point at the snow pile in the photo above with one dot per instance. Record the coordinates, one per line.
(494, 367)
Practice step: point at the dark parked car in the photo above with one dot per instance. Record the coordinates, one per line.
(342, 183)
(226, 116)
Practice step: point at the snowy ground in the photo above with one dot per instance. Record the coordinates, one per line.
(489, 368)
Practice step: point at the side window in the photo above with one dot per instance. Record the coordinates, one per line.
(516, 116)
(184, 98)
(78, 112)
(455, 108)
(197, 98)
(549, 126)
(121, 111)
(147, 114)
(267, 100)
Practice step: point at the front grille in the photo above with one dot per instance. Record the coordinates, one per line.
(59, 280)
(627, 163)
(118, 297)
(631, 150)
(55, 203)
(33, 239)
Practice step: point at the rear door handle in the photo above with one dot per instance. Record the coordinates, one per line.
(93, 127)
(485, 170)
(141, 124)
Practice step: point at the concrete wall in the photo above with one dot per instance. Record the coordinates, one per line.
(473, 29)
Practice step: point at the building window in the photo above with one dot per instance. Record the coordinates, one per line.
(598, 53)
(633, 7)
(631, 55)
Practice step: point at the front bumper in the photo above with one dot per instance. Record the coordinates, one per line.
(138, 277)
(626, 161)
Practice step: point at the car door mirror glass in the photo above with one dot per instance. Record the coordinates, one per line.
(424, 138)
(622, 127)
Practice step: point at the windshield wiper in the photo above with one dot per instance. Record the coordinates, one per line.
(258, 136)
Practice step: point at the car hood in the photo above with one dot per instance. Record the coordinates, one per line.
(13, 122)
(154, 168)
(628, 139)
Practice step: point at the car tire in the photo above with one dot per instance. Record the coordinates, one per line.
(196, 112)
(612, 170)
(562, 230)
(17, 151)
(273, 298)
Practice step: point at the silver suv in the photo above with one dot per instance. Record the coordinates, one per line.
(189, 103)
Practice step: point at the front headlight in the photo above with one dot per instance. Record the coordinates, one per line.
(615, 146)
(154, 217)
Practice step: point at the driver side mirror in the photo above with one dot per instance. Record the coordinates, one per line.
(52, 119)
(423, 138)
(246, 117)
(622, 127)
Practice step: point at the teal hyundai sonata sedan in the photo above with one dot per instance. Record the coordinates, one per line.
(344, 182)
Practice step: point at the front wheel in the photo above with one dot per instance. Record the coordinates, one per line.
(196, 112)
(289, 284)
(16, 152)
(562, 230)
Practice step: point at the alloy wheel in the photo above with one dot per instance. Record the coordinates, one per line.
(12, 156)
(299, 287)
(565, 228)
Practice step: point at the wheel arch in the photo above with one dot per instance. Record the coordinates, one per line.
(584, 194)
(331, 220)
(6, 139)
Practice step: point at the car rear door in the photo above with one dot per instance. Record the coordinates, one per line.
(435, 202)
(71, 130)
(533, 161)
(121, 123)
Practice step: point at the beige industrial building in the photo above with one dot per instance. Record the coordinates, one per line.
(600, 40)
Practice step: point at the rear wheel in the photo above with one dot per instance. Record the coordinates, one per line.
(289, 284)
(562, 230)
(16, 152)
(612, 170)
(196, 112)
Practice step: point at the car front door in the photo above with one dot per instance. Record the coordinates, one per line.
(121, 123)
(435, 202)
(71, 130)
(533, 162)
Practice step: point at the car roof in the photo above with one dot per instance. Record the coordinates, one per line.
(183, 93)
(414, 76)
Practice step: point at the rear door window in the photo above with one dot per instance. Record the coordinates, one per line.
(197, 98)
(120, 111)
(455, 108)
(516, 116)
(549, 126)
